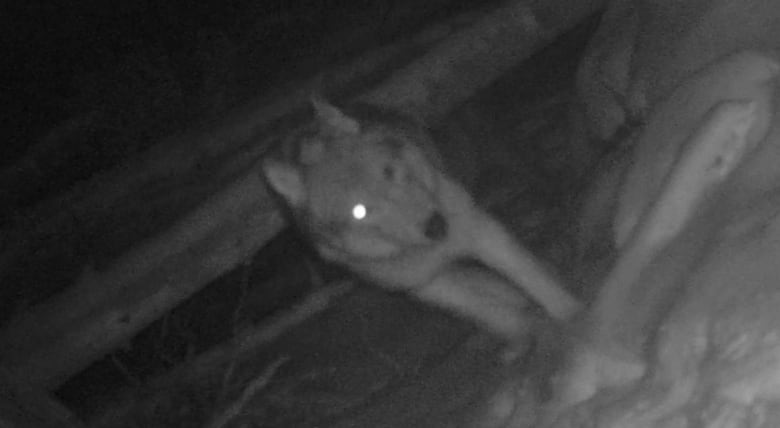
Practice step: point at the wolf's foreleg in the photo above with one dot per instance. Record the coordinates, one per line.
(480, 295)
(496, 247)
(475, 233)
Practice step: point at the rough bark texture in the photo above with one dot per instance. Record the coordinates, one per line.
(22, 406)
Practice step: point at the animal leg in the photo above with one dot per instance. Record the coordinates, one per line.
(479, 235)
(482, 296)
(498, 249)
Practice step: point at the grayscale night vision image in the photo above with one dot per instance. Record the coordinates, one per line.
(390, 214)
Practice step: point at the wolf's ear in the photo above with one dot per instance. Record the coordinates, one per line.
(286, 180)
(331, 120)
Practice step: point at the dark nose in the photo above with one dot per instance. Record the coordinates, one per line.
(436, 227)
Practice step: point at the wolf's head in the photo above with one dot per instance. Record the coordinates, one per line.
(362, 185)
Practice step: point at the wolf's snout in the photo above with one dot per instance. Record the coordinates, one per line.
(436, 227)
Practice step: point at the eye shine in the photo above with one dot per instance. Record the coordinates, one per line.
(359, 212)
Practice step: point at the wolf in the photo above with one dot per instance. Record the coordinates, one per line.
(367, 186)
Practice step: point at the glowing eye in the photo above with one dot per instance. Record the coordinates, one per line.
(359, 212)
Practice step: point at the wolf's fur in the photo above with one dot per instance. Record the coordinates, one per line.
(417, 224)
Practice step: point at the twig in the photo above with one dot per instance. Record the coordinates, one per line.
(313, 304)
(262, 334)
(257, 384)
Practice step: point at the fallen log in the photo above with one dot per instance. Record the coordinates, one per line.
(22, 406)
(105, 308)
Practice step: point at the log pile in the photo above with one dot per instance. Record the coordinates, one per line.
(134, 242)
